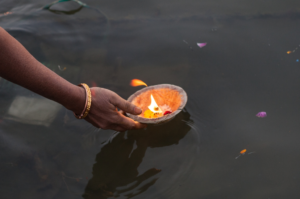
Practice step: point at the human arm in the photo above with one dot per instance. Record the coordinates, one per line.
(20, 67)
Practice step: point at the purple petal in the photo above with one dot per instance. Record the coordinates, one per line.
(261, 114)
(201, 45)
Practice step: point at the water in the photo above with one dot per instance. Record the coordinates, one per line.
(244, 69)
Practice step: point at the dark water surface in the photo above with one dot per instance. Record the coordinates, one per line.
(244, 69)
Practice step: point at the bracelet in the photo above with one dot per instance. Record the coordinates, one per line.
(88, 102)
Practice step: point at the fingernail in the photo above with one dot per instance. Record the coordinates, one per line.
(137, 110)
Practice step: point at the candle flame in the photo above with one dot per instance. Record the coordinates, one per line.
(137, 82)
(154, 107)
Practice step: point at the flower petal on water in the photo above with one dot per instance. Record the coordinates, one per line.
(201, 45)
(261, 114)
(243, 151)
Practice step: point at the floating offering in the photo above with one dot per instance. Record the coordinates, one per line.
(201, 45)
(159, 103)
(261, 114)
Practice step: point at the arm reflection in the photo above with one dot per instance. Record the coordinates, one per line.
(116, 173)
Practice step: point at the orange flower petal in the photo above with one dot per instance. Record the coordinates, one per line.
(243, 151)
(137, 82)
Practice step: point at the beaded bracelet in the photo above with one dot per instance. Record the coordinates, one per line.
(88, 102)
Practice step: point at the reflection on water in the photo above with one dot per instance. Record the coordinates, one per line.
(116, 172)
(33, 110)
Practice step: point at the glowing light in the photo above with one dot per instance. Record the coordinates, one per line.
(137, 82)
(154, 110)
(154, 107)
(149, 114)
(289, 52)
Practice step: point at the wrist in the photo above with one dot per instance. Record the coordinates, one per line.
(77, 101)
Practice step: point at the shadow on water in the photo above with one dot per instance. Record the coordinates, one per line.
(116, 171)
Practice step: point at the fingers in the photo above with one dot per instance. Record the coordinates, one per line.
(139, 125)
(129, 123)
(120, 123)
(122, 112)
(126, 106)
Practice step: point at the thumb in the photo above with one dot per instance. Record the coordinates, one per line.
(126, 106)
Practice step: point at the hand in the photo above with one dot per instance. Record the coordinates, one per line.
(20, 67)
(105, 115)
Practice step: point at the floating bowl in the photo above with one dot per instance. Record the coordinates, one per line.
(164, 94)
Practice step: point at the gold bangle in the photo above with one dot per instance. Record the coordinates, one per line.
(88, 102)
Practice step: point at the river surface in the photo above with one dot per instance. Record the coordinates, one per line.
(245, 68)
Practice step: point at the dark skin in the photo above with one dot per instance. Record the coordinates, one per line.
(20, 67)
